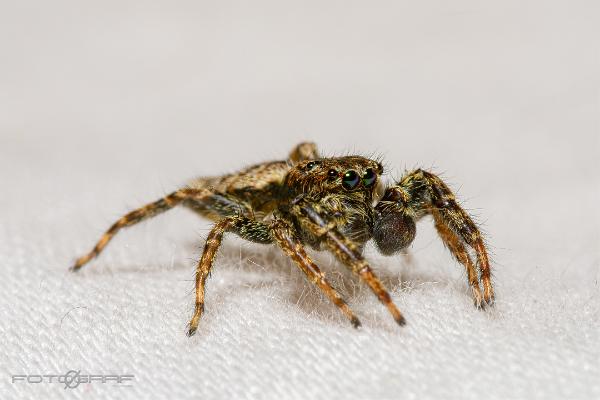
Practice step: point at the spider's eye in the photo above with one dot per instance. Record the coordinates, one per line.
(350, 180)
(369, 177)
(310, 165)
(332, 173)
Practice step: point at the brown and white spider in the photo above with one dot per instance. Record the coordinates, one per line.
(327, 204)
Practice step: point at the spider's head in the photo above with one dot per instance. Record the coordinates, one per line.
(349, 174)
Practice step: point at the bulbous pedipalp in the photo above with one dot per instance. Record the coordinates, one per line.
(393, 231)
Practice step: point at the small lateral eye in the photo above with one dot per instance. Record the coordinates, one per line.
(350, 180)
(311, 165)
(369, 177)
(332, 173)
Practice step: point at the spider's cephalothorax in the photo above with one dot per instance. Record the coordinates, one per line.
(340, 189)
(327, 204)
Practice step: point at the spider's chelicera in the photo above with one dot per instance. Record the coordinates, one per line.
(326, 204)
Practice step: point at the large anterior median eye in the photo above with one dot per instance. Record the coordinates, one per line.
(350, 180)
(369, 177)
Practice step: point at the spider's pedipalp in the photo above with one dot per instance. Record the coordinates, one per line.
(393, 231)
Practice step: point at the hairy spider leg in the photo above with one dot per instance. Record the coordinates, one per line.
(246, 228)
(290, 244)
(420, 193)
(349, 254)
(304, 151)
(200, 199)
(456, 247)
(260, 232)
(213, 242)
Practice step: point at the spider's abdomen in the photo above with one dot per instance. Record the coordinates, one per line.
(258, 186)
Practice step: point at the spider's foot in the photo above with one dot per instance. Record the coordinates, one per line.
(484, 300)
(191, 331)
(400, 320)
(478, 300)
(489, 298)
(193, 325)
(75, 267)
(81, 261)
(488, 293)
(355, 322)
(396, 314)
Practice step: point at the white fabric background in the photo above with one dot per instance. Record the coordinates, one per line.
(105, 106)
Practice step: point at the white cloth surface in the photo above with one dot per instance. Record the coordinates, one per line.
(109, 105)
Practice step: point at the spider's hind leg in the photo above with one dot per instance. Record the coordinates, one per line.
(202, 200)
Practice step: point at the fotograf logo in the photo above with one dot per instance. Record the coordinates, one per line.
(71, 379)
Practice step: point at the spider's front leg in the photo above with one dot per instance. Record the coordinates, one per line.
(421, 193)
(314, 219)
(289, 242)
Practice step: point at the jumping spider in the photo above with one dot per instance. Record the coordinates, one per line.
(327, 204)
